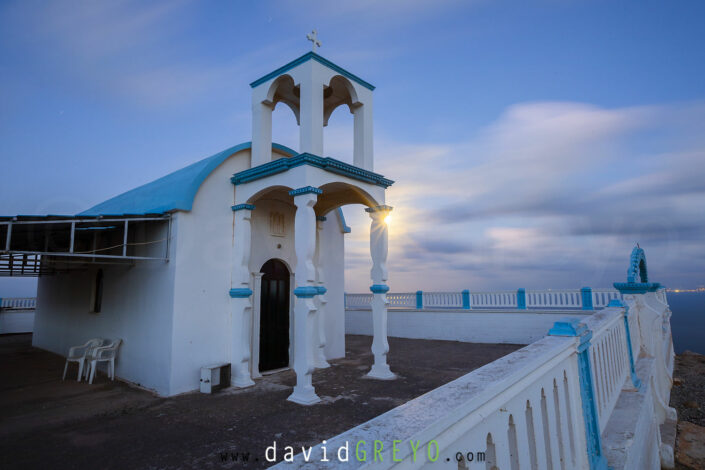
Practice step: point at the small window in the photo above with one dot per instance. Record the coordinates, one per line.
(97, 297)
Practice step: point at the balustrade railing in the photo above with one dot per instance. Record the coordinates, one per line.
(564, 299)
(547, 405)
(18, 303)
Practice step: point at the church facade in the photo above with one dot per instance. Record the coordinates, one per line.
(253, 240)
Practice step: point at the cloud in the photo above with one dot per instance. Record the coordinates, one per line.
(551, 195)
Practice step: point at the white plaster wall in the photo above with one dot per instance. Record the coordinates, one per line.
(332, 258)
(16, 321)
(136, 307)
(266, 246)
(202, 333)
(460, 325)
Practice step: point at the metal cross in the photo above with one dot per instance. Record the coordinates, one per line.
(314, 39)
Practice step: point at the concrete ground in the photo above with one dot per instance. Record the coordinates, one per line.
(47, 423)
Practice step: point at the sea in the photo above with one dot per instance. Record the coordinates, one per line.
(688, 321)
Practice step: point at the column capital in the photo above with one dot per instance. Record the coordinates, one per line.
(305, 190)
(382, 208)
(240, 207)
(320, 218)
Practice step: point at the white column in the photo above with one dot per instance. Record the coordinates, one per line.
(319, 343)
(256, 299)
(311, 112)
(261, 132)
(378, 249)
(363, 156)
(240, 296)
(304, 309)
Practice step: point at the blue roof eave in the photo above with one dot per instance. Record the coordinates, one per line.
(175, 191)
(321, 60)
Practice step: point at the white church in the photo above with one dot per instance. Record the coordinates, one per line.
(237, 258)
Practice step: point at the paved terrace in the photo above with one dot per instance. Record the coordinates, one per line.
(46, 423)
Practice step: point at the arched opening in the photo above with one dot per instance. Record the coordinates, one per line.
(274, 316)
(283, 97)
(339, 124)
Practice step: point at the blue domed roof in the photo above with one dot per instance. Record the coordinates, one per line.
(175, 191)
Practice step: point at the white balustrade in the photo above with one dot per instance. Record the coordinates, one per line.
(609, 358)
(442, 300)
(562, 299)
(359, 301)
(601, 297)
(554, 299)
(524, 410)
(497, 299)
(19, 303)
(402, 300)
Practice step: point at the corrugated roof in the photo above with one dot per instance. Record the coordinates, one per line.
(175, 191)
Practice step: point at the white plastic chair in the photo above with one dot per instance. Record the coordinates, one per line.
(106, 353)
(78, 354)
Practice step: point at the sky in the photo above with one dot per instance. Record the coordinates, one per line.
(532, 143)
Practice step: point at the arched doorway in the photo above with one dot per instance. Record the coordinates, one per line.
(274, 316)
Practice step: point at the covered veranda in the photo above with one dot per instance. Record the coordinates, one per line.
(41, 245)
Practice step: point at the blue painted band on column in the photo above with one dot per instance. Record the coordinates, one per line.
(305, 190)
(573, 327)
(466, 299)
(306, 292)
(240, 293)
(419, 299)
(586, 295)
(379, 288)
(239, 207)
(618, 303)
(321, 290)
(521, 299)
(320, 218)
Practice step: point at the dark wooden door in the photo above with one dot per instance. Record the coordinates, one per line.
(274, 316)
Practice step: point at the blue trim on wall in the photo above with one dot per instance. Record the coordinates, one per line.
(306, 292)
(586, 295)
(305, 190)
(637, 287)
(321, 60)
(240, 293)
(419, 299)
(466, 299)
(341, 218)
(521, 298)
(328, 164)
(321, 290)
(239, 207)
(379, 288)
(618, 303)
(175, 191)
(573, 327)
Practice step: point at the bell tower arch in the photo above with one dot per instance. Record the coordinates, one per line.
(313, 87)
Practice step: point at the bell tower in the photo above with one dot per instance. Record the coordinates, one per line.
(313, 87)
